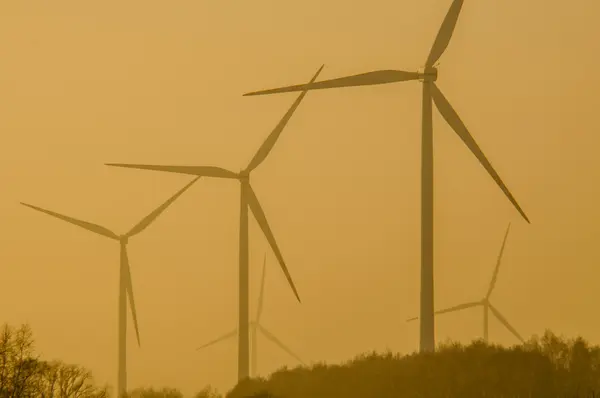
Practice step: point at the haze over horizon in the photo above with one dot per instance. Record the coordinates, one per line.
(148, 82)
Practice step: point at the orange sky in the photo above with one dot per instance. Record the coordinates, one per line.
(83, 83)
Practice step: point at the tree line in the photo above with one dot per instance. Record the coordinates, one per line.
(549, 366)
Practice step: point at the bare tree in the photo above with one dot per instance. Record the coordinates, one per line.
(5, 359)
(17, 362)
(24, 375)
(59, 380)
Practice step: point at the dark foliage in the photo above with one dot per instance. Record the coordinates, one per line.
(546, 367)
(165, 392)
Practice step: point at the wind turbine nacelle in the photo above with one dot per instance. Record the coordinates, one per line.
(428, 74)
(244, 175)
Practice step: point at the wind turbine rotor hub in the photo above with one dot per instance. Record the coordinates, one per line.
(428, 74)
(123, 239)
(244, 176)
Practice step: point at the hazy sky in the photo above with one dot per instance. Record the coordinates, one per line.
(83, 83)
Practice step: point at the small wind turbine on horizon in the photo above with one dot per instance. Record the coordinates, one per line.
(485, 302)
(256, 327)
(125, 281)
(430, 93)
(248, 199)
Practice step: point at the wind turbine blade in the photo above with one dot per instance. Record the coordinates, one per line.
(445, 33)
(83, 224)
(129, 286)
(275, 340)
(226, 336)
(142, 225)
(458, 307)
(451, 309)
(503, 320)
(495, 275)
(362, 79)
(261, 295)
(459, 127)
(259, 214)
(201, 171)
(269, 143)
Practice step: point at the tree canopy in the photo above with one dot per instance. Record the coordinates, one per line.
(547, 366)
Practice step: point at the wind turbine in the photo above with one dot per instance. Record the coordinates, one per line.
(248, 199)
(125, 283)
(430, 92)
(485, 302)
(256, 327)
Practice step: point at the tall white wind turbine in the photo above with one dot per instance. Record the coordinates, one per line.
(125, 282)
(485, 302)
(248, 199)
(256, 327)
(430, 92)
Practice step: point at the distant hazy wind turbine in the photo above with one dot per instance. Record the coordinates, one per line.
(125, 282)
(256, 327)
(248, 199)
(485, 302)
(430, 92)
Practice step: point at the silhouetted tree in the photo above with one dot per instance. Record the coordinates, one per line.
(165, 392)
(17, 363)
(208, 392)
(59, 380)
(24, 375)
